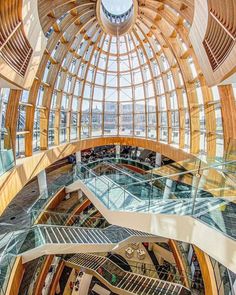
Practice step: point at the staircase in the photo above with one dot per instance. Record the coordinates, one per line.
(123, 282)
(46, 239)
(118, 198)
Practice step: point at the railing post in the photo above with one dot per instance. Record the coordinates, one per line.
(42, 182)
(95, 185)
(124, 189)
(108, 204)
(197, 180)
(151, 195)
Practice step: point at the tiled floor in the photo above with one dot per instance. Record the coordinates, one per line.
(15, 216)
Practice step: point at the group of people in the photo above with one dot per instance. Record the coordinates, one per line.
(109, 151)
(113, 278)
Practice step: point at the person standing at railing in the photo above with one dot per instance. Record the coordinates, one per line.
(100, 271)
(113, 279)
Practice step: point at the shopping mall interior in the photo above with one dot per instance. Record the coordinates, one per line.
(118, 147)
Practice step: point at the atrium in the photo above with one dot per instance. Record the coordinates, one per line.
(118, 147)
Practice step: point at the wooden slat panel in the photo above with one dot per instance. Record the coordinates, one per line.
(14, 46)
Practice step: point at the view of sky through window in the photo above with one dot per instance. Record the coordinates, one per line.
(117, 6)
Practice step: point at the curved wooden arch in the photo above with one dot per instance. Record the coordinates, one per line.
(26, 169)
(167, 21)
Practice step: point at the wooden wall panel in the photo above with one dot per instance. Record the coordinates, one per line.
(228, 107)
(22, 41)
(15, 277)
(221, 13)
(12, 118)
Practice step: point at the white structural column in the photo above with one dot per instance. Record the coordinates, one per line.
(84, 284)
(168, 188)
(80, 194)
(42, 182)
(158, 160)
(117, 150)
(78, 157)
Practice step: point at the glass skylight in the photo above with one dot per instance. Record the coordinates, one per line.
(117, 7)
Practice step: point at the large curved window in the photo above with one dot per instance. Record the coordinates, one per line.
(138, 84)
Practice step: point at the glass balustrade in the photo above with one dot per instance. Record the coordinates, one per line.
(131, 281)
(53, 188)
(205, 191)
(55, 218)
(6, 266)
(8, 253)
(170, 274)
(7, 160)
(225, 279)
(126, 161)
(36, 236)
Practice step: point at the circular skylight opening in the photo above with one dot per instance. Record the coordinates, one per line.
(117, 17)
(117, 7)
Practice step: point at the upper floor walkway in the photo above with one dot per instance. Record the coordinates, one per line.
(195, 206)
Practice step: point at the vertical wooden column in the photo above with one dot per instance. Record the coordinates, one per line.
(228, 109)
(194, 118)
(30, 113)
(56, 278)
(44, 113)
(169, 119)
(57, 119)
(44, 117)
(210, 118)
(12, 118)
(43, 274)
(179, 94)
(207, 272)
(179, 262)
(69, 118)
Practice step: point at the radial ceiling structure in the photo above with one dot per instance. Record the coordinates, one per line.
(151, 74)
(122, 69)
(119, 74)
